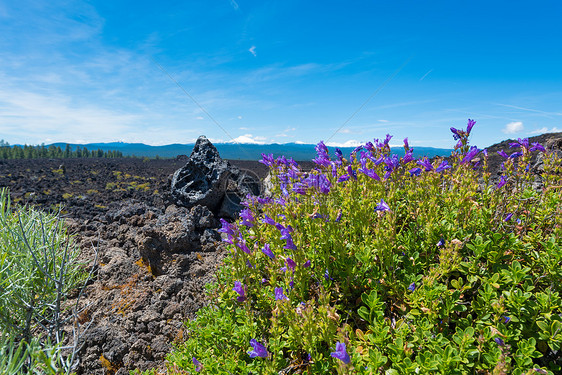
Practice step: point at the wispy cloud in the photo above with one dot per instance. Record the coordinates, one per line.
(253, 50)
(547, 114)
(546, 130)
(513, 127)
(234, 4)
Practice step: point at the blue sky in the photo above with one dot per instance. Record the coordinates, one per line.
(278, 71)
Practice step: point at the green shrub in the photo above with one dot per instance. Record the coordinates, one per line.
(380, 264)
(38, 267)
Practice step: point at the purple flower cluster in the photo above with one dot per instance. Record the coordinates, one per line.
(258, 350)
(341, 353)
(240, 289)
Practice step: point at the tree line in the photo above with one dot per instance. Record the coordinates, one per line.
(52, 152)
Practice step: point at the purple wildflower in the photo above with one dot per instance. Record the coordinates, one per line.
(285, 233)
(267, 251)
(406, 145)
(470, 154)
(291, 264)
(356, 149)
(226, 227)
(515, 155)
(306, 264)
(267, 159)
(339, 154)
(323, 159)
(265, 200)
(341, 353)
(456, 133)
(197, 364)
(538, 146)
(540, 370)
(258, 349)
(408, 157)
(238, 288)
(267, 220)
(343, 178)
(247, 217)
(441, 242)
(506, 319)
(279, 296)
(327, 275)
(508, 217)
(370, 172)
(443, 166)
(426, 164)
(503, 154)
(469, 126)
(501, 183)
(415, 171)
(351, 172)
(299, 188)
(387, 139)
(382, 206)
(290, 245)
(523, 143)
(499, 341)
(323, 184)
(412, 287)
(242, 246)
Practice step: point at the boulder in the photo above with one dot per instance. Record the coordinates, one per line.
(208, 180)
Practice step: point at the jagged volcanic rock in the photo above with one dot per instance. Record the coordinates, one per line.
(208, 180)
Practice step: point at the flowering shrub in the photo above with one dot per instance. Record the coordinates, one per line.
(375, 263)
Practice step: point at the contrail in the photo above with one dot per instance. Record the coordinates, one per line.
(379, 89)
(426, 74)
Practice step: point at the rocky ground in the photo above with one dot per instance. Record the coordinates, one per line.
(152, 251)
(153, 256)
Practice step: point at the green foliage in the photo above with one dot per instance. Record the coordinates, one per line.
(38, 267)
(420, 271)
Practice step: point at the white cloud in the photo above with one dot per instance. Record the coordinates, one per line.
(350, 143)
(249, 138)
(253, 50)
(345, 131)
(383, 121)
(239, 117)
(200, 118)
(546, 130)
(513, 127)
(234, 4)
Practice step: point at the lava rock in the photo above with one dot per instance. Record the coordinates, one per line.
(206, 180)
(203, 179)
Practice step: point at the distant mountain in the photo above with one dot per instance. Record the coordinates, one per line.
(238, 151)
